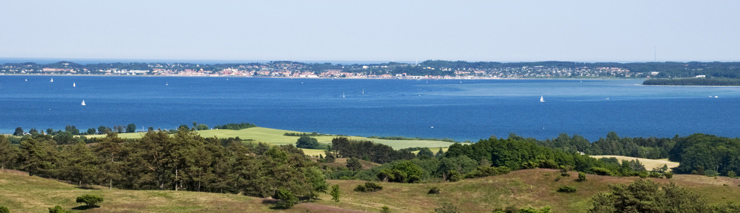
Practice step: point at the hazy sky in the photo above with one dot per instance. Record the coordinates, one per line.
(372, 30)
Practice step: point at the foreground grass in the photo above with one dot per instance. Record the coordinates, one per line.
(536, 188)
(276, 137)
(649, 163)
(523, 188)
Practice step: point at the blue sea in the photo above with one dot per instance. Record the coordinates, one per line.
(461, 110)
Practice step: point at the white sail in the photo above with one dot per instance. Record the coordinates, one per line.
(83, 102)
(542, 98)
(52, 80)
(342, 95)
(73, 84)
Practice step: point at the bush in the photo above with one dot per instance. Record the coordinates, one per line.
(655, 175)
(58, 209)
(385, 209)
(567, 189)
(601, 171)
(368, 187)
(4, 209)
(668, 175)
(433, 190)
(731, 174)
(643, 174)
(89, 200)
(286, 199)
(454, 176)
(335, 193)
(558, 178)
(581, 177)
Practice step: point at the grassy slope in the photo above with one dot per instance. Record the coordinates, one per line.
(535, 188)
(649, 163)
(276, 137)
(523, 188)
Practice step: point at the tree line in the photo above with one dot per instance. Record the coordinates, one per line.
(158, 161)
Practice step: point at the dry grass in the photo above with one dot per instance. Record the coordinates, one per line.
(535, 188)
(649, 163)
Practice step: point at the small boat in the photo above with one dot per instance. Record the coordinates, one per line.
(166, 84)
(73, 84)
(26, 79)
(52, 80)
(363, 91)
(542, 98)
(83, 103)
(716, 96)
(432, 127)
(342, 95)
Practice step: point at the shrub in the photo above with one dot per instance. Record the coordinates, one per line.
(433, 190)
(558, 178)
(565, 174)
(731, 174)
(643, 174)
(335, 193)
(601, 171)
(385, 209)
(368, 187)
(58, 209)
(581, 177)
(4, 209)
(286, 199)
(567, 189)
(655, 175)
(668, 175)
(454, 176)
(89, 200)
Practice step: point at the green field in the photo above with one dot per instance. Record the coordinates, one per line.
(276, 137)
(523, 188)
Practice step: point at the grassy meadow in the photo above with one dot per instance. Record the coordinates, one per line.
(535, 187)
(276, 137)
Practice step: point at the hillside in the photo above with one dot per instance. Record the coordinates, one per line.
(536, 188)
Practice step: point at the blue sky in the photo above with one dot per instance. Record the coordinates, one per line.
(620, 31)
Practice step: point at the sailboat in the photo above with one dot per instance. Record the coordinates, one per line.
(26, 79)
(342, 95)
(542, 98)
(83, 103)
(166, 84)
(52, 80)
(363, 91)
(73, 84)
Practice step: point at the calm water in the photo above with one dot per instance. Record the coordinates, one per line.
(462, 110)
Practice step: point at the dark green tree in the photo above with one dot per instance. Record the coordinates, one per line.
(58, 209)
(131, 127)
(18, 131)
(307, 142)
(8, 152)
(354, 164)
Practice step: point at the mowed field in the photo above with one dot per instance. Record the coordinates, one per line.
(276, 137)
(649, 163)
(523, 188)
